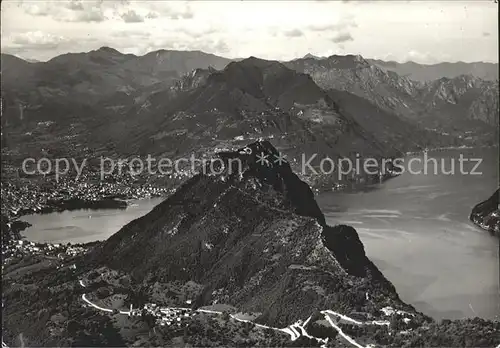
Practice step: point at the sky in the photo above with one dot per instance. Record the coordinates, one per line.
(425, 32)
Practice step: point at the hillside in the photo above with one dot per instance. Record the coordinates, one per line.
(201, 112)
(354, 74)
(255, 241)
(252, 239)
(231, 258)
(91, 76)
(450, 105)
(254, 98)
(56, 105)
(461, 101)
(206, 108)
(107, 90)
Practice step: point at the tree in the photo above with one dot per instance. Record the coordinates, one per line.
(148, 318)
(396, 323)
(225, 316)
(72, 327)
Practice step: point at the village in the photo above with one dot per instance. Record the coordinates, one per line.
(157, 315)
(14, 250)
(168, 316)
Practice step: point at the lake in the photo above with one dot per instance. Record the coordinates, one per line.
(415, 228)
(82, 226)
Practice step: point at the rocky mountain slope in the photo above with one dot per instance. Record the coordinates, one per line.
(250, 242)
(485, 106)
(462, 101)
(354, 74)
(78, 91)
(245, 89)
(452, 105)
(254, 239)
(487, 214)
(206, 108)
(109, 103)
(430, 72)
(105, 88)
(253, 99)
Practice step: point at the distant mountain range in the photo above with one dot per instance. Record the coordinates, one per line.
(424, 72)
(97, 74)
(169, 102)
(412, 70)
(430, 72)
(251, 239)
(448, 104)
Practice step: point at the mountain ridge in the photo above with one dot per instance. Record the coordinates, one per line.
(227, 203)
(452, 112)
(429, 72)
(251, 98)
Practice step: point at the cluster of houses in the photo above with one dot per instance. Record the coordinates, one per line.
(168, 316)
(19, 248)
(20, 200)
(180, 174)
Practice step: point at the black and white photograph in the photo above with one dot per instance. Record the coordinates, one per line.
(250, 173)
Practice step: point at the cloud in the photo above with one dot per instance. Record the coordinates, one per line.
(188, 14)
(172, 10)
(132, 17)
(87, 15)
(343, 24)
(139, 40)
(214, 46)
(342, 37)
(322, 27)
(75, 6)
(418, 56)
(93, 15)
(130, 33)
(217, 46)
(37, 9)
(67, 11)
(357, 2)
(293, 33)
(197, 32)
(272, 30)
(34, 40)
(339, 32)
(152, 15)
(425, 57)
(331, 27)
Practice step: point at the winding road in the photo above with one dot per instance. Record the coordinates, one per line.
(295, 330)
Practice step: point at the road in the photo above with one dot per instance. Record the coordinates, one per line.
(354, 321)
(341, 333)
(295, 330)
